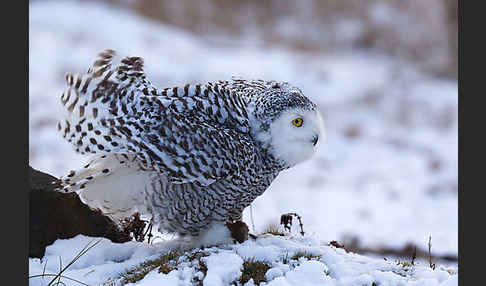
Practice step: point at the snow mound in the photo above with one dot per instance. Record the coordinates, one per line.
(267, 260)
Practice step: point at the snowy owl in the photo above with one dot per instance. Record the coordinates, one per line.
(190, 156)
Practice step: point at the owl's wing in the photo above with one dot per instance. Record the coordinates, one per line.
(91, 101)
(191, 150)
(113, 109)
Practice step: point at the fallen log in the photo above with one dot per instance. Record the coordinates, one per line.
(55, 215)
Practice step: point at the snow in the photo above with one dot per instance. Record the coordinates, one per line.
(307, 273)
(387, 173)
(106, 262)
(104, 259)
(223, 268)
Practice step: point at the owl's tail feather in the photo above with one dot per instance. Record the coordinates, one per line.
(111, 183)
(102, 99)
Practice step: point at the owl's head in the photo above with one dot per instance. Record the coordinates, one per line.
(290, 125)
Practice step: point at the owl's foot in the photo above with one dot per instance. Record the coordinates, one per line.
(239, 230)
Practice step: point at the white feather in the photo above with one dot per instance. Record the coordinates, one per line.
(294, 144)
(113, 184)
(217, 233)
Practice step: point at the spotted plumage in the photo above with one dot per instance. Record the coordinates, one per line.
(188, 155)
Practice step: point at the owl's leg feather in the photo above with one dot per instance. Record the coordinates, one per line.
(217, 233)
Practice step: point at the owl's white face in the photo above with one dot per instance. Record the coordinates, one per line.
(295, 134)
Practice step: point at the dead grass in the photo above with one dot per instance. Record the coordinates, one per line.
(197, 255)
(254, 270)
(307, 255)
(273, 229)
(56, 280)
(353, 244)
(165, 263)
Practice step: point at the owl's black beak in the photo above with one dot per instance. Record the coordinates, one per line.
(314, 140)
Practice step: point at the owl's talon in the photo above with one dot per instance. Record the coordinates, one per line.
(239, 230)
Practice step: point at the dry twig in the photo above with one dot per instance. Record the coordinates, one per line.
(286, 220)
(432, 265)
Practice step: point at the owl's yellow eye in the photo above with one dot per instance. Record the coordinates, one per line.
(298, 122)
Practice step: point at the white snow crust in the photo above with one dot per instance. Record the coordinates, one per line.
(105, 263)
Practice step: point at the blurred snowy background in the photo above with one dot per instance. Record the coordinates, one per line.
(384, 74)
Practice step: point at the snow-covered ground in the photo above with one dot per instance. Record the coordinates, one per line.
(290, 261)
(387, 173)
